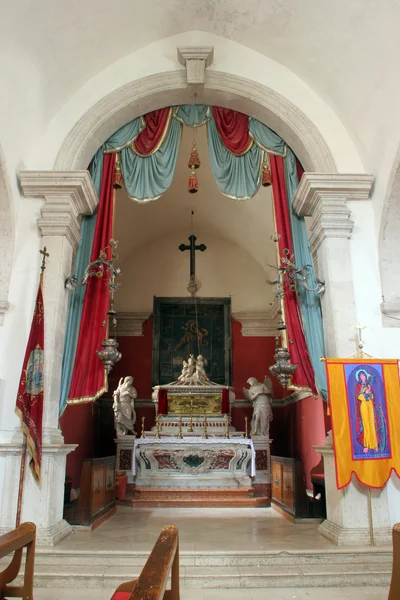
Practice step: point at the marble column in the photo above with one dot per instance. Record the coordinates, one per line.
(67, 196)
(348, 517)
(324, 197)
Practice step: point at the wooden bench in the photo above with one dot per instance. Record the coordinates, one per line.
(14, 542)
(152, 581)
(394, 591)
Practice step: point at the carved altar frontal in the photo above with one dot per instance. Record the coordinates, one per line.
(194, 463)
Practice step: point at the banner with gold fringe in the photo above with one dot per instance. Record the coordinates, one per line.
(29, 405)
(364, 400)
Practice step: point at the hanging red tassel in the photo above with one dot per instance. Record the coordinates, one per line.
(266, 175)
(117, 175)
(193, 186)
(194, 160)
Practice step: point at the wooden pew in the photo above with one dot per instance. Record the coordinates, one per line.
(152, 580)
(394, 591)
(14, 542)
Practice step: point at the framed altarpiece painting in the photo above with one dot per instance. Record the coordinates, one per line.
(184, 326)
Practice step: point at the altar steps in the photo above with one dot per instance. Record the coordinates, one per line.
(189, 498)
(218, 569)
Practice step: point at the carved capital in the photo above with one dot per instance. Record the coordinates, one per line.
(196, 60)
(67, 196)
(131, 323)
(324, 197)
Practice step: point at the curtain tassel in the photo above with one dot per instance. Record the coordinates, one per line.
(117, 174)
(194, 163)
(193, 186)
(266, 173)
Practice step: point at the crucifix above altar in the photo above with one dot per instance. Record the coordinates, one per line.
(192, 247)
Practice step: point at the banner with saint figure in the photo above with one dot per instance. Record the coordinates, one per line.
(364, 398)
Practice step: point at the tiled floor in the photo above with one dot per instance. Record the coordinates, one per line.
(356, 593)
(201, 529)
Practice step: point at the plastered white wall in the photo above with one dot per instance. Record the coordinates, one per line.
(224, 269)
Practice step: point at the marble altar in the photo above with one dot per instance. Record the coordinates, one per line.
(194, 462)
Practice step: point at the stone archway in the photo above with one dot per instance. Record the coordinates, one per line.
(220, 89)
(7, 234)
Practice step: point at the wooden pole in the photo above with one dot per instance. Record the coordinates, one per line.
(371, 526)
(21, 482)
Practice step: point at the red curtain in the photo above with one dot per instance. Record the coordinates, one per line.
(152, 136)
(297, 347)
(233, 129)
(162, 401)
(225, 402)
(88, 379)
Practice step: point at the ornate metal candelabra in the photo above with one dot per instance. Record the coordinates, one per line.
(143, 435)
(101, 267)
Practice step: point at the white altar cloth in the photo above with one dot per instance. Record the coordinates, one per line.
(193, 440)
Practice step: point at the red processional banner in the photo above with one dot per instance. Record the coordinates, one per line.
(29, 405)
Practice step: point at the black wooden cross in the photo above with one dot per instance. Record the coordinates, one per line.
(192, 247)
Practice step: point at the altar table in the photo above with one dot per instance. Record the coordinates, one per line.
(194, 462)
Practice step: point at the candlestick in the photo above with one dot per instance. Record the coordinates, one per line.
(205, 434)
(190, 428)
(226, 426)
(158, 425)
(246, 432)
(180, 436)
(143, 434)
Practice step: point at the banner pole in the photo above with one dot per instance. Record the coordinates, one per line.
(21, 482)
(371, 527)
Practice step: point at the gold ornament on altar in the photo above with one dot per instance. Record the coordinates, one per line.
(190, 428)
(246, 427)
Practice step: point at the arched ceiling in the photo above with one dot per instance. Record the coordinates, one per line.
(247, 223)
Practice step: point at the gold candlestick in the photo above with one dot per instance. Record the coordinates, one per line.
(180, 436)
(246, 432)
(158, 425)
(205, 434)
(143, 434)
(190, 428)
(226, 426)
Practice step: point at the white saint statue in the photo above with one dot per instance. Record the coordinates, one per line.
(124, 407)
(261, 396)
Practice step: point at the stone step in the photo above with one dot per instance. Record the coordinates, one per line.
(124, 558)
(271, 576)
(212, 498)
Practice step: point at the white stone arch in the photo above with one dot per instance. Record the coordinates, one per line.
(221, 89)
(389, 259)
(7, 234)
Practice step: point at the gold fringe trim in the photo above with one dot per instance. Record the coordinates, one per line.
(160, 141)
(31, 446)
(129, 142)
(87, 399)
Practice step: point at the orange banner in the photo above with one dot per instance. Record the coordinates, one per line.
(364, 400)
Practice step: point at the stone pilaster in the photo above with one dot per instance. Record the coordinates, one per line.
(66, 195)
(347, 511)
(324, 197)
(262, 480)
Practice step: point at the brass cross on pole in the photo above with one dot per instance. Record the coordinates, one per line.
(359, 328)
(45, 255)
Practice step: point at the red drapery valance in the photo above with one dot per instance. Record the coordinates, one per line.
(233, 128)
(297, 346)
(150, 139)
(89, 380)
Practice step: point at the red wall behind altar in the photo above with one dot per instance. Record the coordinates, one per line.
(294, 429)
